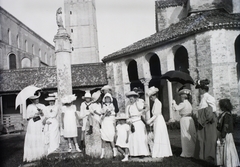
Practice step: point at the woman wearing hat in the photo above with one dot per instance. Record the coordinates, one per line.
(34, 139)
(188, 131)
(161, 145)
(52, 126)
(206, 120)
(69, 120)
(108, 89)
(138, 143)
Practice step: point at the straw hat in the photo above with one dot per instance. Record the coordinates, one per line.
(87, 95)
(121, 116)
(106, 87)
(68, 99)
(132, 93)
(52, 97)
(152, 91)
(35, 96)
(96, 95)
(184, 90)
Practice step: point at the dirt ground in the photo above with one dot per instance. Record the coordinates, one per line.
(11, 154)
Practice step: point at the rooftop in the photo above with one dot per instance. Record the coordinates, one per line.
(170, 3)
(83, 75)
(196, 23)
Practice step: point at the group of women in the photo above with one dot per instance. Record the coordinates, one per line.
(198, 129)
(201, 129)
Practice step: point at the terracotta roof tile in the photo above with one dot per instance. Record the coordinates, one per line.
(169, 3)
(84, 75)
(209, 20)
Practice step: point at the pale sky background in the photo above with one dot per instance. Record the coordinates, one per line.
(119, 23)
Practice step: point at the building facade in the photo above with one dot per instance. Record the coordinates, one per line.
(81, 24)
(20, 47)
(198, 38)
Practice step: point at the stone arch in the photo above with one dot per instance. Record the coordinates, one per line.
(26, 63)
(181, 63)
(181, 59)
(237, 55)
(133, 74)
(12, 61)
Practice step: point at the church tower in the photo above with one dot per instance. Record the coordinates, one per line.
(81, 24)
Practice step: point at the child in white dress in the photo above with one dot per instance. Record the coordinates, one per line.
(69, 121)
(122, 135)
(108, 124)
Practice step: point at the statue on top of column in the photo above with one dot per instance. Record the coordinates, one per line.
(59, 18)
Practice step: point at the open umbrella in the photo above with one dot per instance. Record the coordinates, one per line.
(178, 76)
(23, 95)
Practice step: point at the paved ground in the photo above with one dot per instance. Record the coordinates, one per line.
(11, 154)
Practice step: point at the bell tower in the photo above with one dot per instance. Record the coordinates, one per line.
(80, 23)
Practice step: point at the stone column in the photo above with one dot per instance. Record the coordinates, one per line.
(64, 75)
(145, 82)
(170, 97)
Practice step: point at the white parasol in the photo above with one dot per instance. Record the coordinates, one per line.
(22, 96)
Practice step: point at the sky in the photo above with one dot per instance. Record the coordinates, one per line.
(119, 23)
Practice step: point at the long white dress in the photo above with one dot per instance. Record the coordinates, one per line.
(161, 146)
(34, 139)
(188, 131)
(52, 130)
(108, 124)
(70, 121)
(138, 143)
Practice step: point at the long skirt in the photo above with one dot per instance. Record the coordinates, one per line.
(138, 144)
(205, 147)
(34, 141)
(230, 153)
(108, 129)
(54, 135)
(188, 136)
(161, 146)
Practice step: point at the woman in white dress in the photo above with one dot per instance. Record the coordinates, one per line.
(138, 143)
(187, 126)
(69, 121)
(34, 139)
(52, 126)
(161, 145)
(108, 124)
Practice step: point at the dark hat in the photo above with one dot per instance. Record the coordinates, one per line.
(202, 84)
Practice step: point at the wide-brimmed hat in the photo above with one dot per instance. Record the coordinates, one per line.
(121, 116)
(132, 93)
(138, 90)
(35, 96)
(107, 95)
(52, 97)
(68, 99)
(106, 87)
(184, 90)
(96, 95)
(87, 95)
(152, 91)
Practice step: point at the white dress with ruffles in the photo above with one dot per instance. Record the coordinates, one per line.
(34, 139)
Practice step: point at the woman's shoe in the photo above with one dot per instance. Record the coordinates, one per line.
(102, 155)
(77, 148)
(70, 147)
